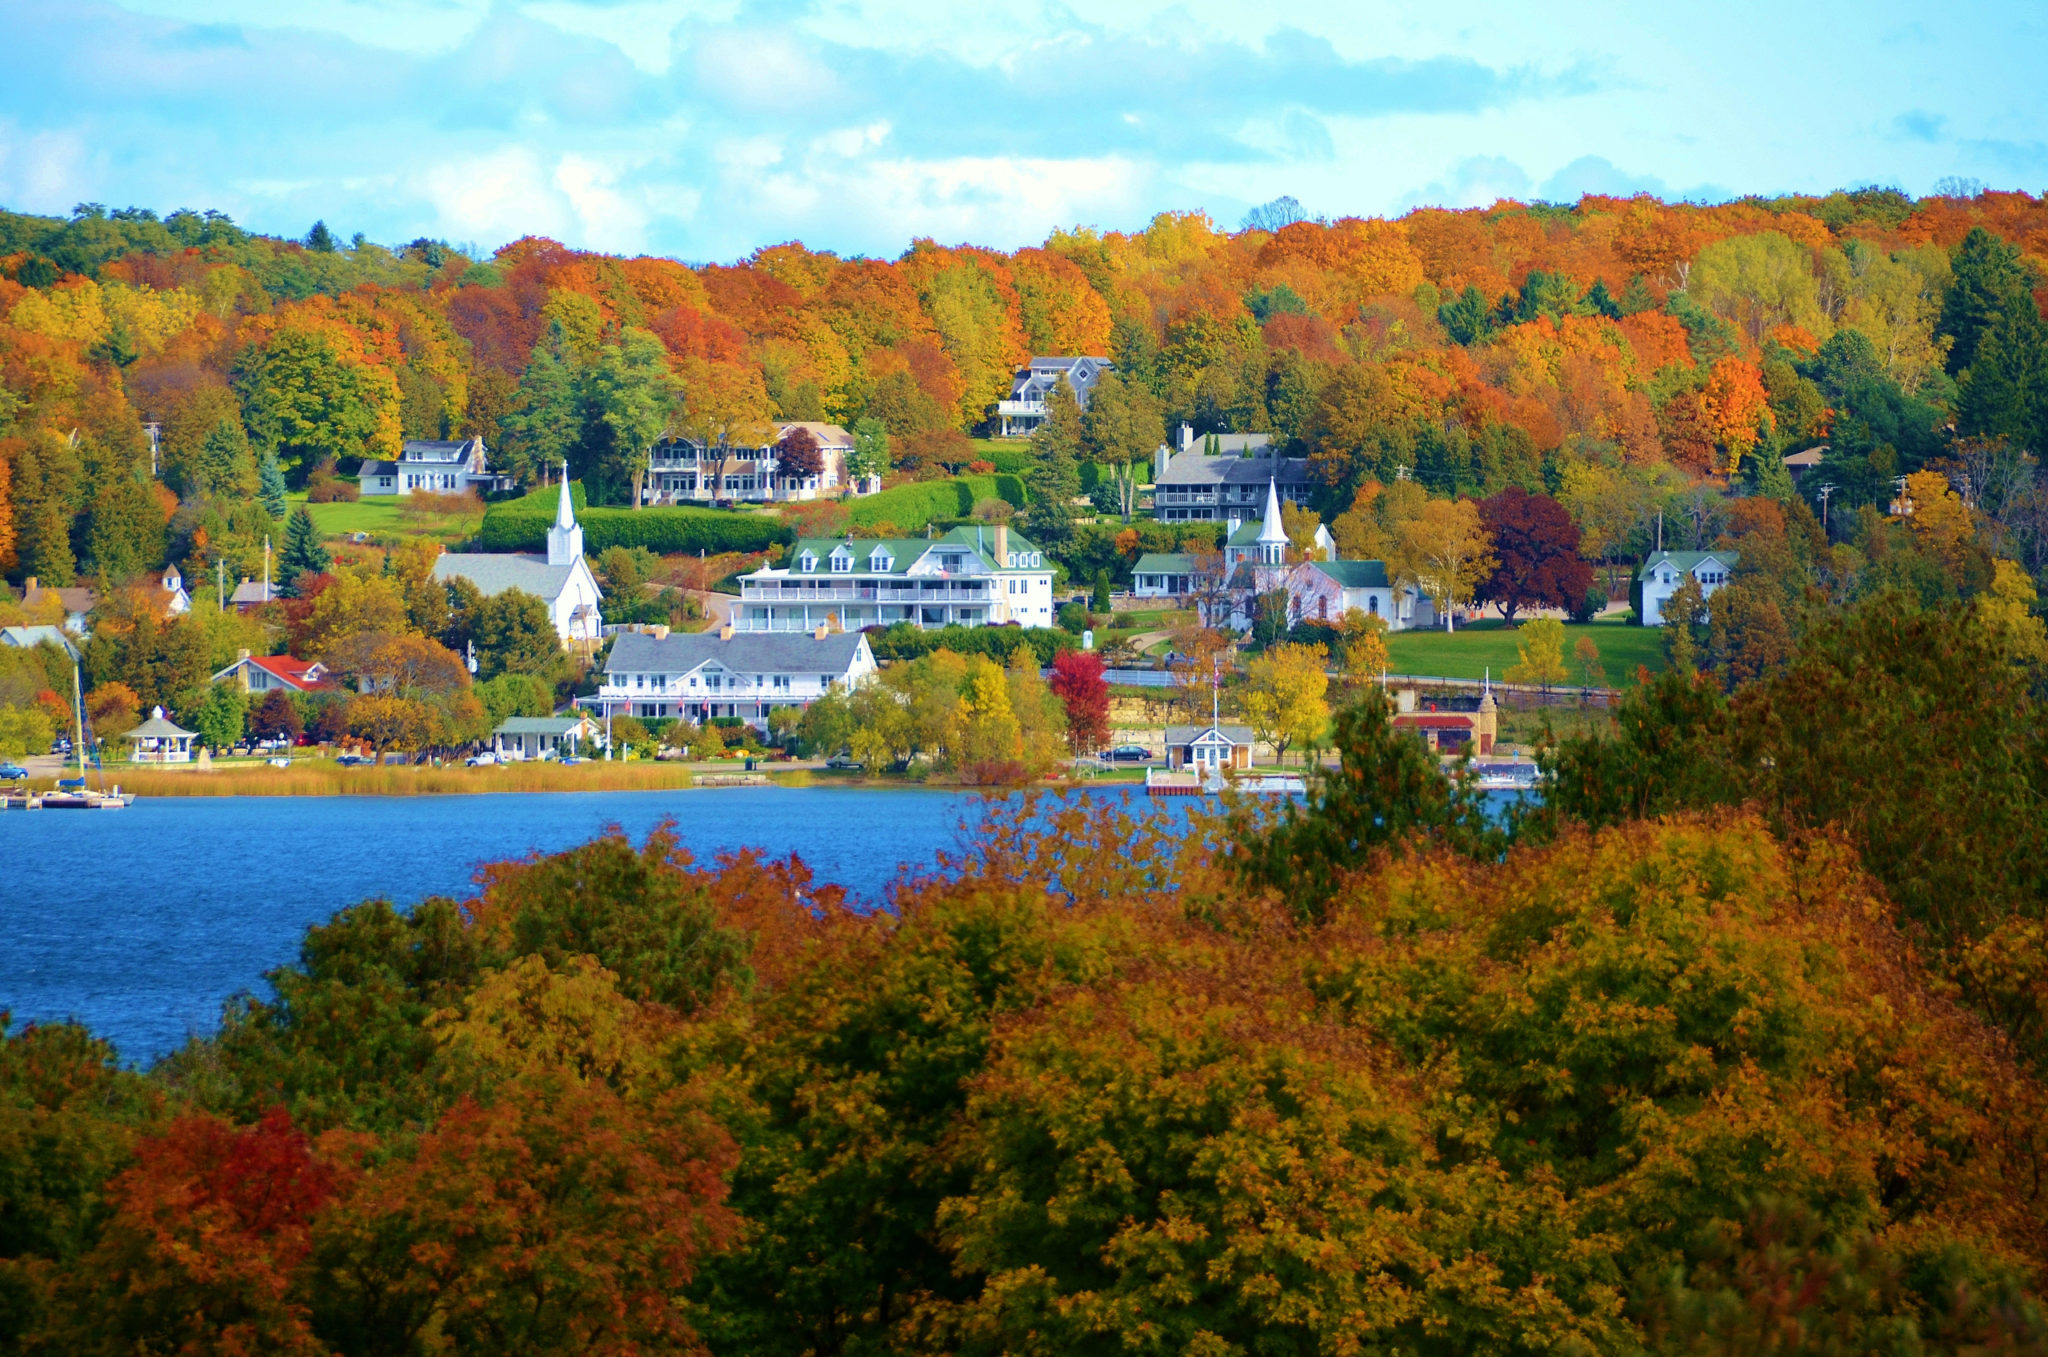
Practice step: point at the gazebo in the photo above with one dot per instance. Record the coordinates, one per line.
(158, 741)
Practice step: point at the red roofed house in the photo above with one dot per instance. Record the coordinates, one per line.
(1449, 732)
(263, 673)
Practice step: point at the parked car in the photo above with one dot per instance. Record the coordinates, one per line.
(353, 760)
(483, 758)
(843, 763)
(1128, 753)
(12, 772)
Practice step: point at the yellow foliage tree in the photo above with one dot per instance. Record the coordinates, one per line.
(1939, 519)
(2007, 611)
(1540, 646)
(528, 1019)
(1285, 696)
(1446, 551)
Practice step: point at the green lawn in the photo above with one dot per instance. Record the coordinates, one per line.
(380, 517)
(1468, 652)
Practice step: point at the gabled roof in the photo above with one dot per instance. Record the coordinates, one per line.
(495, 572)
(904, 552)
(1196, 468)
(1164, 563)
(439, 450)
(1355, 574)
(377, 469)
(1190, 734)
(540, 725)
(298, 673)
(828, 435)
(1063, 362)
(1436, 720)
(1686, 561)
(75, 598)
(254, 591)
(744, 652)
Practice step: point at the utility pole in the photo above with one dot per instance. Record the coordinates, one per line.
(155, 432)
(1660, 530)
(220, 573)
(1825, 491)
(266, 567)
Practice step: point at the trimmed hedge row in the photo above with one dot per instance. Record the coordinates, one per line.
(665, 531)
(903, 641)
(910, 507)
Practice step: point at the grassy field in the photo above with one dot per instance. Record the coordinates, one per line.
(1471, 651)
(380, 518)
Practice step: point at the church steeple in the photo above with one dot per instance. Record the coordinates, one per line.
(1272, 532)
(565, 538)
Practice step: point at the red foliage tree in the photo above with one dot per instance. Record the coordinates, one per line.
(1078, 683)
(798, 454)
(1537, 545)
(207, 1233)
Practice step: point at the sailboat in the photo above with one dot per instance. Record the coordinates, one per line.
(72, 793)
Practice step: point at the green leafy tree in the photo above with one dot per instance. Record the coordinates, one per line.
(513, 634)
(220, 716)
(308, 402)
(304, 553)
(636, 396)
(125, 534)
(547, 418)
(870, 455)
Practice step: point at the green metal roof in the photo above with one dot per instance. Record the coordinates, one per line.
(1686, 561)
(905, 552)
(1356, 574)
(1164, 563)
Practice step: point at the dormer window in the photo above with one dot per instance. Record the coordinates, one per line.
(842, 561)
(881, 561)
(807, 562)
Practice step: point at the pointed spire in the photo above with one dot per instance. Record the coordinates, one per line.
(565, 538)
(565, 511)
(1273, 529)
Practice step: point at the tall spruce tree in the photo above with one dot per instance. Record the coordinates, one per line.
(270, 482)
(1055, 476)
(303, 552)
(1991, 279)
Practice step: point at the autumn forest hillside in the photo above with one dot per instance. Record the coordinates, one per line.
(1667, 344)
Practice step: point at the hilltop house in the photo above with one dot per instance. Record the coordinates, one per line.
(435, 466)
(684, 470)
(1024, 411)
(561, 578)
(27, 638)
(1198, 485)
(266, 673)
(696, 676)
(1663, 574)
(971, 577)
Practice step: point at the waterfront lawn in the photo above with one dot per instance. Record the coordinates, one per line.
(1470, 651)
(380, 517)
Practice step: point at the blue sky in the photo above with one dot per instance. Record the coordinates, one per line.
(703, 130)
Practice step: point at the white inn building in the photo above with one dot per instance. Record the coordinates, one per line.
(971, 577)
(696, 676)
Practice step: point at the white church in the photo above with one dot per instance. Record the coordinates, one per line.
(561, 579)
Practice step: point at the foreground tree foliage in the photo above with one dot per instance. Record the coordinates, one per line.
(1701, 1058)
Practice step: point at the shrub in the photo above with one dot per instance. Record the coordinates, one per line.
(516, 526)
(904, 641)
(911, 507)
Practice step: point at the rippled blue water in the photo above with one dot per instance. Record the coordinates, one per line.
(140, 922)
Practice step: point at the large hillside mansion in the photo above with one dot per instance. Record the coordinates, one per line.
(1024, 411)
(698, 676)
(1222, 477)
(971, 577)
(684, 470)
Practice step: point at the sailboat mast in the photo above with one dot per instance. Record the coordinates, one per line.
(77, 718)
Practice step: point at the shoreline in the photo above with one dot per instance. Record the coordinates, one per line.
(319, 778)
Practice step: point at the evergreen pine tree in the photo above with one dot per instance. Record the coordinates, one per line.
(1637, 297)
(303, 553)
(1602, 301)
(1991, 280)
(320, 239)
(270, 483)
(1056, 470)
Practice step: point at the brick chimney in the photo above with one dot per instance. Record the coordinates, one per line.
(822, 632)
(659, 631)
(1002, 546)
(725, 632)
